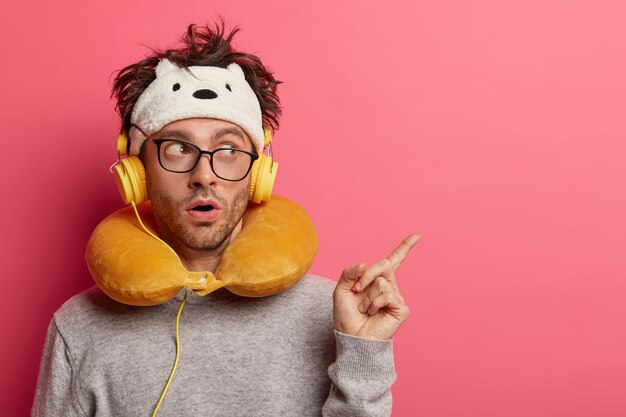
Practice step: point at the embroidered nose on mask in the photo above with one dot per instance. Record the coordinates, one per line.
(205, 94)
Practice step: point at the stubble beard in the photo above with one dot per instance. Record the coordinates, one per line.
(202, 236)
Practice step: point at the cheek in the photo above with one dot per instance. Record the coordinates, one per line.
(162, 182)
(243, 192)
(164, 204)
(236, 198)
(240, 201)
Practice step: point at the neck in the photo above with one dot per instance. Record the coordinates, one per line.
(195, 260)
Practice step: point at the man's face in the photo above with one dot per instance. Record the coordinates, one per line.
(182, 201)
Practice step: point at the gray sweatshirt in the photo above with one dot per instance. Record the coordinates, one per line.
(272, 356)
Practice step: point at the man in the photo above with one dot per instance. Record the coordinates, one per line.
(241, 356)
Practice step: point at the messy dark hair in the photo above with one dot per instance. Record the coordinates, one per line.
(200, 46)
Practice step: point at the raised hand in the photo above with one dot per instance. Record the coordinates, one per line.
(367, 301)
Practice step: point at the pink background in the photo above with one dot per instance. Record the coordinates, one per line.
(495, 129)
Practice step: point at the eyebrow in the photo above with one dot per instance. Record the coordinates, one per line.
(174, 133)
(219, 134)
(229, 131)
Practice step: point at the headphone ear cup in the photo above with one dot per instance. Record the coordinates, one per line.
(130, 177)
(262, 178)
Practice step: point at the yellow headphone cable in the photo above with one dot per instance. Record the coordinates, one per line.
(180, 310)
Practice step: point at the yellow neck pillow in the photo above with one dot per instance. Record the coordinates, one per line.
(275, 248)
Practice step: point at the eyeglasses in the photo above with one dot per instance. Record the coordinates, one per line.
(226, 163)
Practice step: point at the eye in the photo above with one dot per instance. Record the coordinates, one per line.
(177, 149)
(176, 87)
(228, 149)
(228, 88)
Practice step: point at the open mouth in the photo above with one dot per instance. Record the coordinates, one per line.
(203, 208)
(204, 211)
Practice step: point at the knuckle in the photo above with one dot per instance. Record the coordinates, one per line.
(386, 264)
(366, 301)
(398, 297)
(405, 314)
(383, 300)
(392, 256)
(381, 282)
(370, 298)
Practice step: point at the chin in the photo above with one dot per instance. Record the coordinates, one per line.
(204, 240)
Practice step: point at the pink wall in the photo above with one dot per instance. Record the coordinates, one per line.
(496, 129)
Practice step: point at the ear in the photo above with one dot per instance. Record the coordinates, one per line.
(165, 66)
(236, 69)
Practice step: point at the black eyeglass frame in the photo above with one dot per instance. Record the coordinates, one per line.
(159, 142)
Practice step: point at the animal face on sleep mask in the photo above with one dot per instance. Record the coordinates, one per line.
(184, 93)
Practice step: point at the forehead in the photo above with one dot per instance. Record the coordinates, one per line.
(204, 129)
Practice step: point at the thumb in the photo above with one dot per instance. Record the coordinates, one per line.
(349, 277)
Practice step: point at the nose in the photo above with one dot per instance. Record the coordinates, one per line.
(205, 94)
(202, 176)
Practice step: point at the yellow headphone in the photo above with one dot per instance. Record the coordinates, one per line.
(130, 174)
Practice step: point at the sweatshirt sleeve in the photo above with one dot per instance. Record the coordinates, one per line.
(55, 387)
(361, 376)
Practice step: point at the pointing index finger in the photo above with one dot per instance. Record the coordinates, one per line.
(397, 256)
